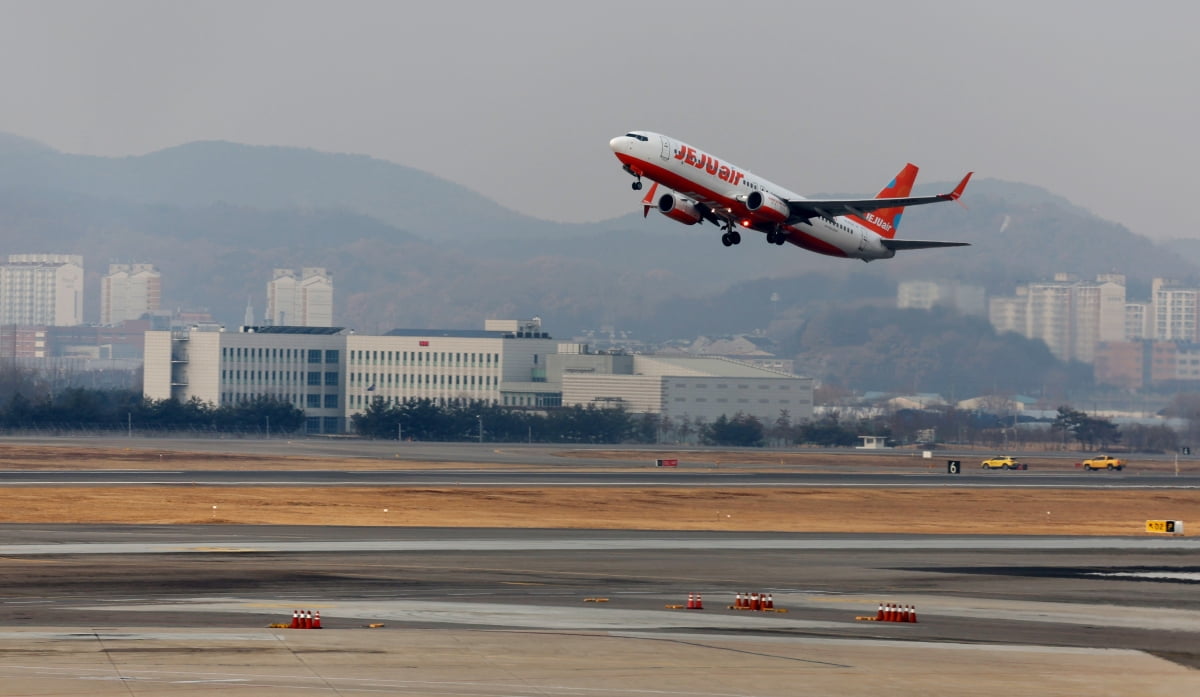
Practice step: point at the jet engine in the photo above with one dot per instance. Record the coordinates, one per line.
(679, 209)
(766, 207)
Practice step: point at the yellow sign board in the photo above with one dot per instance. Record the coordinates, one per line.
(1171, 527)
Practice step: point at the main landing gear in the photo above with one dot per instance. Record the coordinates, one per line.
(731, 238)
(776, 236)
(637, 185)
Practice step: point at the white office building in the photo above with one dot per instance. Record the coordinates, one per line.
(332, 373)
(42, 289)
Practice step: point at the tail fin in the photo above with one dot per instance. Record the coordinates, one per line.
(885, 220)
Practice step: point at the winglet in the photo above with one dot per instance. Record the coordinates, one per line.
(648, 199)
(962, 185)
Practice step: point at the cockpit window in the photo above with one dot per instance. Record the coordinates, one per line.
(637, 136)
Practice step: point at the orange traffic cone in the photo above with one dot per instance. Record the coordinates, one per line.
(879, 613)
(755, 602)
(699, 602)
(295, 620)
(889, 615)
(306, 619)
(316, 623)
(912, 614)
(740, 602)
(770, 604)
(691, 604)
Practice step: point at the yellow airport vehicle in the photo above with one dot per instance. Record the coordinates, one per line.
(1102, 462)
(1003, 462)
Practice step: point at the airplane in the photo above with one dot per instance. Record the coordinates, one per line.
(702, 187)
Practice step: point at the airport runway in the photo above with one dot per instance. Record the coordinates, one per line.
(162, 610)
(536, 454)
(650, 478)
(144, 594)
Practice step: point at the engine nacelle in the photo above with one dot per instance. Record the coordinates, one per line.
(769, 208)
(679, 209)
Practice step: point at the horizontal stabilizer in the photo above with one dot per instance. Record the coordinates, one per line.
(901, 245)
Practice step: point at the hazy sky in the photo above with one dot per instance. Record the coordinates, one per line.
(1096, 101)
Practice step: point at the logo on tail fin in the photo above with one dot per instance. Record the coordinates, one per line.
(885, 220)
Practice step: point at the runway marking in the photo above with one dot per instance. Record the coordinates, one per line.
(1167, 575)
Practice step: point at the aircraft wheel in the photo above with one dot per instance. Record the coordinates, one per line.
(735, 237)
(726, 240)
(637, 186)
(772, 237)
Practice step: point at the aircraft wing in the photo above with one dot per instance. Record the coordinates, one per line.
(901, 245)
(809, 208)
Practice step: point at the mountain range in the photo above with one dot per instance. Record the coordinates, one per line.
(409, 249)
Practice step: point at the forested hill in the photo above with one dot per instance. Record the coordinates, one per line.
(409, 249)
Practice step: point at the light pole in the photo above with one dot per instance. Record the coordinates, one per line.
(479, 417)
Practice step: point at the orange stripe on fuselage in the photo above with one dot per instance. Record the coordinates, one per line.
(688, 187)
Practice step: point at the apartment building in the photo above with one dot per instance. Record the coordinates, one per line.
(129, 291)
(42, 289)
(301, 298)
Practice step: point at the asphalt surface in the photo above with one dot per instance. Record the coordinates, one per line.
(538, 454)
(495, 477)
(1129, 593)
(1019, 610)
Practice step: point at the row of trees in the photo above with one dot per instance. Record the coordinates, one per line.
(422, 419)
(473, 420)
(77, 408)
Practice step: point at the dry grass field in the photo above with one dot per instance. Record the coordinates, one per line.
(944, 509)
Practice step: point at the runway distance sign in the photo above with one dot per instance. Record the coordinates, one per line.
(1170, 527)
